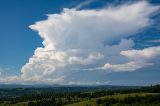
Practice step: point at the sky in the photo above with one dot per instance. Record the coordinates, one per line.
(84, 42)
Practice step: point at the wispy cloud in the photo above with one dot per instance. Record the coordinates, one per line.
(154, 41)
(85, 3)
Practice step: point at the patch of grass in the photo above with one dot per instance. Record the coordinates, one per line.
(92, 102)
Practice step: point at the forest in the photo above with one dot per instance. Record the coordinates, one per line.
(85, 96)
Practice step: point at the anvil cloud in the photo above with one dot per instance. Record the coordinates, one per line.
(77, 40)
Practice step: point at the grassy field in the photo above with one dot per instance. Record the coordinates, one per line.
(92, 102)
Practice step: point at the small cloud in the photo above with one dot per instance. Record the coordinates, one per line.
(130, 66)
(89, 83)
(95, 56)
(139, 59)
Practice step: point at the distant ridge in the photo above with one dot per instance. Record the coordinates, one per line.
(27, 86)
(3, 86)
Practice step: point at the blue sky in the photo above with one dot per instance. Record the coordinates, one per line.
(102, 56)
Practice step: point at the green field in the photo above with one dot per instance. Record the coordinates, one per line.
(92, 102)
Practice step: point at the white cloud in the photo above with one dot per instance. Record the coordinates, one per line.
(138, 59)
(10, 79)
(89, 31)
(85, 38)
(142, 55)
(43, 64)
(90, 59)
(130, 66)
(91, 28)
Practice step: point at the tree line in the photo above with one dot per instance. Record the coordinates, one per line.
(63, 98)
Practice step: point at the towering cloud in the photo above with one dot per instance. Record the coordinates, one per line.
(77, 40)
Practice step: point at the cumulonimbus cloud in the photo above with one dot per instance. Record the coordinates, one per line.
(84, 38)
